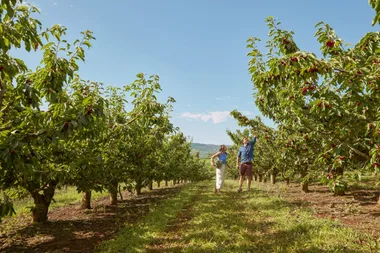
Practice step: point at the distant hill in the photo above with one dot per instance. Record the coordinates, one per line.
(205, 149)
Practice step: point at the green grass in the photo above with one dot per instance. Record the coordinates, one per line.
(134, 237)
(233, 222)
(62, 198)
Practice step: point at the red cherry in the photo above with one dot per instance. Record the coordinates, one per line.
(12, 151)
(1, 68)
(330, 43)
(358, 103)
(285, 41)
(89, 111)
(66, 124)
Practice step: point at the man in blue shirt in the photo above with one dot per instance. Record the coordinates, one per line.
(245, 158)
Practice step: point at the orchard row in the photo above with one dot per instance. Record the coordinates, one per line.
(57, 129)
(326, 109)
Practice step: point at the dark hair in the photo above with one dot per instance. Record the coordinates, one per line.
(221, 148)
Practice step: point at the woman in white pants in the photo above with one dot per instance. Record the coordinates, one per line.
(220, 167)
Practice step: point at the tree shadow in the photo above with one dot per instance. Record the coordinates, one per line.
(223, 220)
(82, 230)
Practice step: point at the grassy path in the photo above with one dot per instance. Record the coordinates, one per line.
(245, 222)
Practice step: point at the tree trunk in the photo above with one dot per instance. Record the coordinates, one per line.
(151, 185)
(255, 177)
(120, 193)
(287, 181)
(113, 193)
(166, 183)
(42, 202)
(138, 190)
(86, 200)
(273, 178)
(260, 177)
(138, 187)
(174, 182)
(265, 179)
(158, 184)
(305, 186)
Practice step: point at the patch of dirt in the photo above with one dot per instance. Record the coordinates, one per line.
(357, 209)
(71, 229)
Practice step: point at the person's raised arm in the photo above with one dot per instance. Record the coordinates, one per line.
(253, 141)
(212, 158)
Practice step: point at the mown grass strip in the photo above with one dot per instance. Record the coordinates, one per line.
(135, 237)
(259, 222)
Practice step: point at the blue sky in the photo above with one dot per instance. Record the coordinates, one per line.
(197, 47)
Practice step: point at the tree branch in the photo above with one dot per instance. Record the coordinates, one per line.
(2, 93)
(358, 152)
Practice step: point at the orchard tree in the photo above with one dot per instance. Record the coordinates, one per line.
(332, 99)
(147, 133)
(83, 151)
(29, 135)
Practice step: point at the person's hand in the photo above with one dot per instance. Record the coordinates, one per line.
(237, 166)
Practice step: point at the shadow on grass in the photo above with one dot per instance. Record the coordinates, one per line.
(83, 233)
(228, 223)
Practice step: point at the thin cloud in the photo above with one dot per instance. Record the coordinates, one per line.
(216, 117)
(225, 98)
(248, 113)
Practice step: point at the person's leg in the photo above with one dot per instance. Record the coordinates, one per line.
(249, 181)
(241, 180)
(218, 179)
(249, 176)
(222, 171)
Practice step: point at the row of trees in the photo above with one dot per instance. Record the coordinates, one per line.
(88, 136)
(325, 108)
